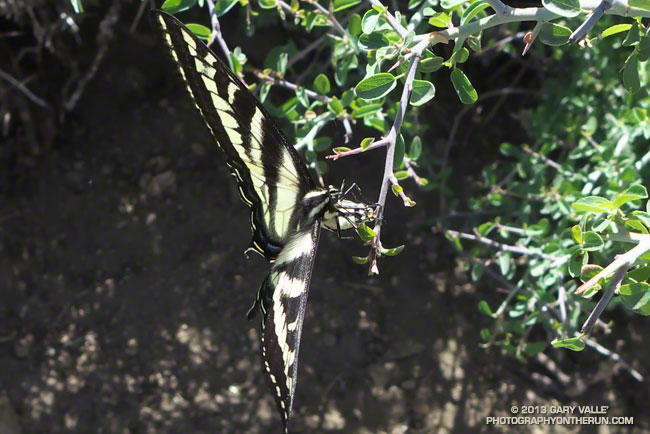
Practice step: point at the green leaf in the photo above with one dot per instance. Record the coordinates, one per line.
(322, 144)
(595, 204)
(264, 91)
(635, 192)
(484, 307)
(369, 21)
(576, 262)
(415, 150)
(354, 25)
(635, 226)
(448, 4)
(397, 189)
(335, 106)
(375, 86)
(430, 64)
(554, 34)
(474, 42)
(631, 79)
(641, 4)
(392, 252)
(401, 175)
(574, 344)
(77, 6)
(505, 262)
(200, 31)
(281, 65)
(374, 41)
(565, 8)
(222, 7)
(477, 272)
(636, 297)
(366, 110)
(576, 234)
(472, 10)
(643, 217)
(339, 5)
(267, 4)
(414, 3)
(301, 94)
(399, 152)
(366, 142)
(644, 47)
(175, 6)
(591, 241)
(361, 259)
(640, 274)
(365, 233)
(613, 30)
(589, 270)
(633, 35)
(459, 56)
(322, 84)
(463, 87)
(423, 91)
(440, 19)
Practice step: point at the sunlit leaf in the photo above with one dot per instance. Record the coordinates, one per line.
(464, 89)
(375, 86)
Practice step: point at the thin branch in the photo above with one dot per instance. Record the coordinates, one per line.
(518, 231)
(330, 16)
(392, 138)
(504, 247)
(138, 16)
(591, 20)
(396, 25)
(544, 159)
(615, 357)
(604, 300)
(21, 87)
(318, 43)
(284, 83)
(622, 261)
(377, 144)
(104, 36)
(411, 171)
(348, 129)
(499, 7)
(407, 202)
(216, 35)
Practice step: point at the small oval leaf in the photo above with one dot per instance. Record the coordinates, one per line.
(466, 92)
(375, 86)
(565, 8)
(554, 34)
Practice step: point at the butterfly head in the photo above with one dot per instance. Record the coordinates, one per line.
(346, 214)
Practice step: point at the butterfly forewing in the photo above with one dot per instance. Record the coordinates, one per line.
(271, 177)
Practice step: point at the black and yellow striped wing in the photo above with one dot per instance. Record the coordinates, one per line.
(283, 303)
(271, 176)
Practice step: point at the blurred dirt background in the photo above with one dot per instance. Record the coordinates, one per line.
(124, 287)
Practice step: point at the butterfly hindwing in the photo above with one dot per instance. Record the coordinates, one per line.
(283, 302)
(271, 176)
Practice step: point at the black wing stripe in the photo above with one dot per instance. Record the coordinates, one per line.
(270, 174)
(284, 300)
